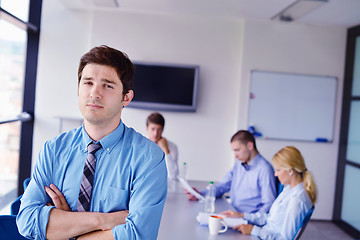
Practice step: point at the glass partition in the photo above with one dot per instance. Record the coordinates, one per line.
(356, 76)
(347, 208)
(350, 205)
(353, 146)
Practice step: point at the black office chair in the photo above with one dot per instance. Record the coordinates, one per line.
(303, 224)
(8, 228)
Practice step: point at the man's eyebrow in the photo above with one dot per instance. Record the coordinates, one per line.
(108, 81)
(86, 78)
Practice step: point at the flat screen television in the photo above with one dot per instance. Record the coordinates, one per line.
(165, 87)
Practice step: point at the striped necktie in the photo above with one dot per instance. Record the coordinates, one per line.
(83, 204)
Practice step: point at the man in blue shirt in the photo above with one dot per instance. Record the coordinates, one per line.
(130, 178)
(251, 181)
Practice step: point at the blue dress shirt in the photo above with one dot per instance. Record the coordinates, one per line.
(252, 188)
(285, 214)
(130, 175)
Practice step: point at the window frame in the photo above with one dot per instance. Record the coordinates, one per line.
(32, 27)
(352, 34)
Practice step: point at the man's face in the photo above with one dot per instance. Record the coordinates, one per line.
(100, 95)
(242, 151)
(154, 131)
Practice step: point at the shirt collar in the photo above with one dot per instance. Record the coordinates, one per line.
(254, 161)
(109, 141)
(298, 187)
(295, 189)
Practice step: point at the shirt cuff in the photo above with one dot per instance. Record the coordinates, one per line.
(247, 216)
(44, 219)
(250, 217)
(256, 231)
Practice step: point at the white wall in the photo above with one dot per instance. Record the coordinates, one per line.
(225, 49)
(215, 45)
(295, 48)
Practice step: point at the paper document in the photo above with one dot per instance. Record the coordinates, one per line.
(203, 219)
(190, 189)
(232, 222)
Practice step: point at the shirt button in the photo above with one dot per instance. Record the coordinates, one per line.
(108, 149)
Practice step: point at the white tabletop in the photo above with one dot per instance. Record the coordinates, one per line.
(179, 218)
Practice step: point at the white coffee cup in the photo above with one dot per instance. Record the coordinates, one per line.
(215, 225)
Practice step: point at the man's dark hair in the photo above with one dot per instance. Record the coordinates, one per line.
(244, 137)
(156, 118)
(111, 57)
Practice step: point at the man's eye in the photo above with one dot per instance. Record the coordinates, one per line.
(109, 86)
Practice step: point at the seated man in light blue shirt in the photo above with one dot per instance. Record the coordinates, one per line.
(251, 181)
(130, 178)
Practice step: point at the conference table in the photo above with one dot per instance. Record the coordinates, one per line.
(179, 217)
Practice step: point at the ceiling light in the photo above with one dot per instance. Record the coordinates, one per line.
(298, 9)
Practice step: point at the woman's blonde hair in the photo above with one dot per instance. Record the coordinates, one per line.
(291, 159)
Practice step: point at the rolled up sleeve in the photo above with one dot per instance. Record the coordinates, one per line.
(33, 215)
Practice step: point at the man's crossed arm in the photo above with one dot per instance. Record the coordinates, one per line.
(65, 224)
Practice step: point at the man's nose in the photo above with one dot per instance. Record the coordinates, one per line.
(95, 91)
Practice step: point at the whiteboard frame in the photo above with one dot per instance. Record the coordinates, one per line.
(278, 109)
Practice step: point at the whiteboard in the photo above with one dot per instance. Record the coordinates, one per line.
(292, 106)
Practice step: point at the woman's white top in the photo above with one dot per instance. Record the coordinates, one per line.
(285, 215)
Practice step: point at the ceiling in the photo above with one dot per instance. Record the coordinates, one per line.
(333, 13)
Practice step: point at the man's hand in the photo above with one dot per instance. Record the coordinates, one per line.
(57, 197)
(110, 220)
(190, 196)
(244, 228)
(162, 143)
(232, 214)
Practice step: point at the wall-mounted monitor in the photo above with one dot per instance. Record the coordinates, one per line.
(165, 87)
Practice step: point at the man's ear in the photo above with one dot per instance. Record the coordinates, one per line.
(128, 97)
(250, 146)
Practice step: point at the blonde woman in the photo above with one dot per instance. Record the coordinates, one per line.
(290, 207)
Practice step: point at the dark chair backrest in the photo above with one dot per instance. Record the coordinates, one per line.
(279, 186)
(8, 228)
(26, 183)
(303, 224)
(15, 205)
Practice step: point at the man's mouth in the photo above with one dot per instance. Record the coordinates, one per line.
(94, 105)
